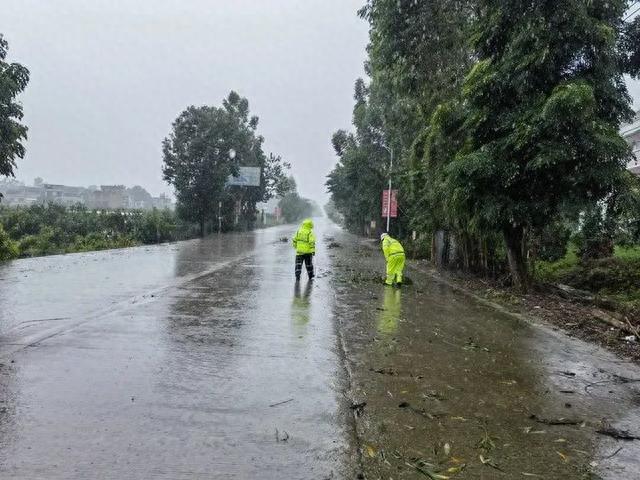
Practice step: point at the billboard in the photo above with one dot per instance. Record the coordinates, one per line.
(247, 177)
(394, 203)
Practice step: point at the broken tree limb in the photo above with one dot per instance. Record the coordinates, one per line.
(555, 421)
(609, 319)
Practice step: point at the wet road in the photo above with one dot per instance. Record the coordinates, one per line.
(168, 363)
(201, 360)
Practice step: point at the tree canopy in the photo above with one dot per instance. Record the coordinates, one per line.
(206, 146)
(13, 80)
(504, 116)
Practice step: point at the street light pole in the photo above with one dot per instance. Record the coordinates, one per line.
(389, 196)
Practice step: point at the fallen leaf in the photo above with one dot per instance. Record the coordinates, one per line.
(428, 473)
(490, 463)
(456, 470)
(371, 451)
(509, 382)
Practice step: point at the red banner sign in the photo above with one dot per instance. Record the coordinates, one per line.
(394, 203)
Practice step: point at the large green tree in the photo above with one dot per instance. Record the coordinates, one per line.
(206, 146)
(542, 108)
(13, 80)
(418, 55)
(357, 181)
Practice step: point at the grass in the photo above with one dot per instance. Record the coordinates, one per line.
(627, 253)
(617, 277)
(553, 271)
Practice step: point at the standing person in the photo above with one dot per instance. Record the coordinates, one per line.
(304, 241)
(394, 255)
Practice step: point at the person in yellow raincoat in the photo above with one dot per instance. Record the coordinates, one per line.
(304, 241)
(394, 255)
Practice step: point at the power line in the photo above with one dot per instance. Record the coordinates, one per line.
(632, 13)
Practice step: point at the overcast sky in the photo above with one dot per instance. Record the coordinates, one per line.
(109, 76)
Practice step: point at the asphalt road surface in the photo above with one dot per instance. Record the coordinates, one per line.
(202, 359)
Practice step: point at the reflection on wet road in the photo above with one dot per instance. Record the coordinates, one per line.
(204, 360)
(454, 388)
(223, 371)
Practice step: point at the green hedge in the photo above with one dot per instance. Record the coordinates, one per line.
(52, 229)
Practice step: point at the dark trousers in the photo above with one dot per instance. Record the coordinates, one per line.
(307, 259)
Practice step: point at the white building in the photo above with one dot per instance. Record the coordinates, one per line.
(631, 133)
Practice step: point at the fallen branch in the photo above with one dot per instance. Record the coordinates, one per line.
(635, 330)
(613, 454)
(281, 403)
(617, 434)
(555, 421)
(614, 322)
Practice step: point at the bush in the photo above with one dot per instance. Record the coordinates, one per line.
(50, 229)
(606, 276)
(100, 241)
(552, 271)
(8, 248)
(551, 244)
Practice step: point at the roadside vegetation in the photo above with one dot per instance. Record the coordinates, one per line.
(293, 207)
(205, 149)
(54, 229)
(503, 119)
(616, 277)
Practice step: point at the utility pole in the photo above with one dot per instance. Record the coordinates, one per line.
(390, 150)
(389, 197)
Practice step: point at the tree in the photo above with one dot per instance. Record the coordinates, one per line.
(630, 47)
(543, 107)
(8, 248)
(139, 195)
(358, 179)
(294, 207)
(277, 182)
(206, 146)
(418, 55)
(332, 213)
(13, 80)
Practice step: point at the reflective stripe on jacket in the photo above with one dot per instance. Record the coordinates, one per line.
(304, 241)
(391, 246)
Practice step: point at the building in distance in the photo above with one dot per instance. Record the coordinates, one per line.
(106, 197)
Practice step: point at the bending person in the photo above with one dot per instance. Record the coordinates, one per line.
(394, 255)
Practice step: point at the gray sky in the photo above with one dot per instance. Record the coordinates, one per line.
(109, 76)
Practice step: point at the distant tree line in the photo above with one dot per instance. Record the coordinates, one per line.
(293, 207)
(504, 120)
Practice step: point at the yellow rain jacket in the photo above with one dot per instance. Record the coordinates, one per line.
(304, 241)
(391, 246)
(394, 255)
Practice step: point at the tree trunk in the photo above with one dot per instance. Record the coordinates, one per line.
(514, 239)
(202, 227)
